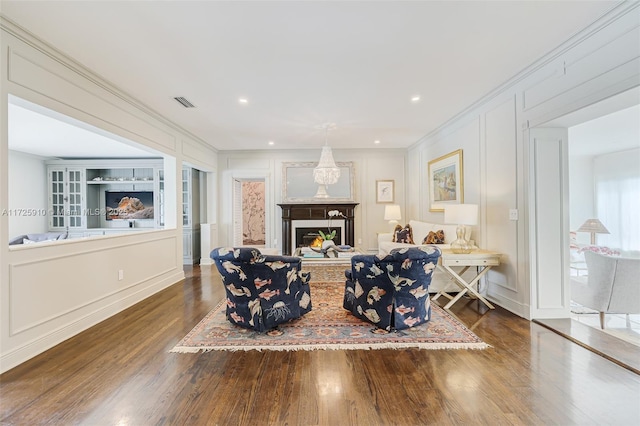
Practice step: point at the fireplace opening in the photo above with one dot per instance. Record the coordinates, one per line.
(305, 237)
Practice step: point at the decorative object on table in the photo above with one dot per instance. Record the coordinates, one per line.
(461, 215)
(385, 191)
(327, 327)
(332, 250)
(391, 292)
(446, 181)
(392, 214)
(328, 246)
(593, 226)
(262, 290)
(604, 250)
(326, 172)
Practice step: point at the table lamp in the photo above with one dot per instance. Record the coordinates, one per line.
(392, 214)
(593, 226)
(461, 215)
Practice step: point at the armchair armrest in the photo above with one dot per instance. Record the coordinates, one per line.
(348, 274)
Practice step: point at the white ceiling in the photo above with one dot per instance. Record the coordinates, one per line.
(611, 125)
(304, 63)
(619, 131)
(40, 131)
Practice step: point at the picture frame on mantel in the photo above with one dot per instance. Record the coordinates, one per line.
(298, 185)
(446, 181)
(385, 191)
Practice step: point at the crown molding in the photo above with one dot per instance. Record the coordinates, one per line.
(40, 45)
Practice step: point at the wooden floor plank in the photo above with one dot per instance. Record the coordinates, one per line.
(121, 372)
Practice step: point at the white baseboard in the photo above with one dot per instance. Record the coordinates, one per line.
(510, 305)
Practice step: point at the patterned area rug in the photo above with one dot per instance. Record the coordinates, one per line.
(326, 272)
(327, 326)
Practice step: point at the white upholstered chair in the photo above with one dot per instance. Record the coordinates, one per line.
(611, 286)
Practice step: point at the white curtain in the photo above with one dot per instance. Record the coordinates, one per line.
(617, 187)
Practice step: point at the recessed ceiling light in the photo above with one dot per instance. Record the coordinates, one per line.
(271, 143)
(376, 142)
(415, 98)
(243, 100)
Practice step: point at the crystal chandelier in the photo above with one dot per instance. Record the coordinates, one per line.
(326, 172)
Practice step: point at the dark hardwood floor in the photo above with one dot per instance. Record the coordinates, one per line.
(121, 372)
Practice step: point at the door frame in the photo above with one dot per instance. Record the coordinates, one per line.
(548, 224)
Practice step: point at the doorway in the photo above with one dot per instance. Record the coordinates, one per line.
(599, 136)
(249, 212)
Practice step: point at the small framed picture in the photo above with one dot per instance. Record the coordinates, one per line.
(384, 191)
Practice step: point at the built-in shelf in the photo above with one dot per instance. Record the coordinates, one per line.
(116, 182)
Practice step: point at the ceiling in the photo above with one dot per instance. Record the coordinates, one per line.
(611, 125)
(40, 131)
(300, 64)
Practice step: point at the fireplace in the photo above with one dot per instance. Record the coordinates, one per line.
(314, 217)
(306, 236)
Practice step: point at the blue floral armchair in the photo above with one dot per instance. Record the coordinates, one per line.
(262, 290)
(391, 292)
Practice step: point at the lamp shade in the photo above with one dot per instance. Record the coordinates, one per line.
(593, 225)
(461, 214)
(392, 212)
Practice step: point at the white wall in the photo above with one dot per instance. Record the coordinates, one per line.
(500, 165)
(27, 195)
(369, 166)
(620, 167)
(53, 291)
(582, 194)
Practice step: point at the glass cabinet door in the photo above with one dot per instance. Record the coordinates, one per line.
(56, 199)
(66, 198)
(74, 197)
(186, 194)
(161, 198)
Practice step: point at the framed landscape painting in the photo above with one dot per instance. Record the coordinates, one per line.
(445, 181)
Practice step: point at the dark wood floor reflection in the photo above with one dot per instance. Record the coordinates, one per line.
(120, 372)
(616, 350)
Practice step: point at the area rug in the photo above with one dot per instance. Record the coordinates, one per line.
(326, 272)
(327, 326)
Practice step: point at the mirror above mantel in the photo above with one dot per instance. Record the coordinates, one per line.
(298, 185)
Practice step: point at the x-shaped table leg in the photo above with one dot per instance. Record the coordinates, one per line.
(466, 287)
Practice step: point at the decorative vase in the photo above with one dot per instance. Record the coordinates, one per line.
(327, 243)
(461, 245)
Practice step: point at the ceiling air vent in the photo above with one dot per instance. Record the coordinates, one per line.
(185, 103)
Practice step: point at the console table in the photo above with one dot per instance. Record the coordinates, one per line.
(483, 260)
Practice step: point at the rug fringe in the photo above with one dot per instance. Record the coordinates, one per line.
(316, 347)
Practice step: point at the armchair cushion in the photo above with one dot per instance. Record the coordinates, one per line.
(36, 238)
(391, 291)
(262, 290)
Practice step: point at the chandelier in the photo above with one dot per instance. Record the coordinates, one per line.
(326, 172)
